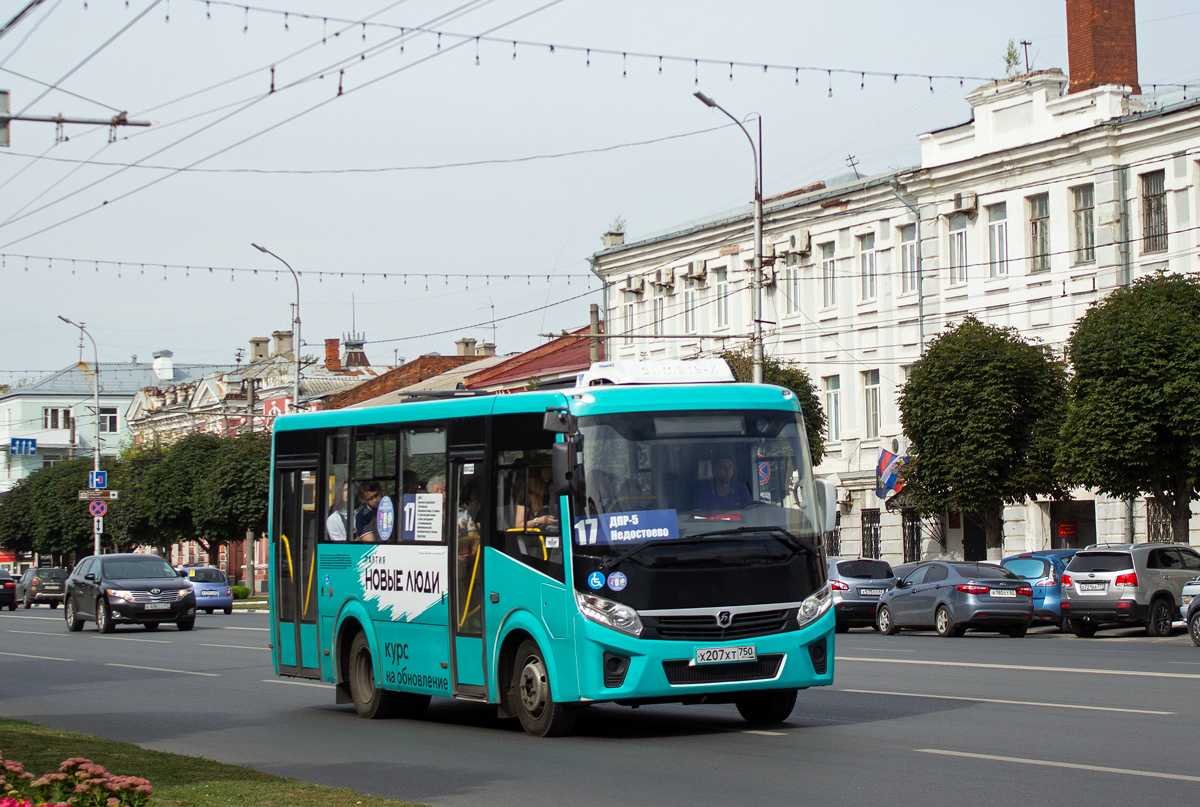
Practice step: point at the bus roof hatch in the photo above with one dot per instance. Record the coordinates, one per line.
(662, 371)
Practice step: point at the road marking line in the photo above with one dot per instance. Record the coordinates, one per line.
(230, 628)
(238, 646)
(762, 733)
(978, 665)
(47, 618)
(134, 639)
(44, 658)
(1008, 702)
(38, 633)
(1045, 763)
(162, 669)
(297, 683)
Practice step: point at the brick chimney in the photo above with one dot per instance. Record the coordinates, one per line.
(1101, 44)
(333, 358)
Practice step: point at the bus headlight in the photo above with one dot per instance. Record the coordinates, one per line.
(815, 605)
(609, 614)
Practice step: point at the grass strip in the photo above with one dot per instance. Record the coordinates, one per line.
(178, 781)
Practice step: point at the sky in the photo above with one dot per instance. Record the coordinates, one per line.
(414, 139)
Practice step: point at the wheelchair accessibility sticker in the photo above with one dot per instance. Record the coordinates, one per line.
(596, 581)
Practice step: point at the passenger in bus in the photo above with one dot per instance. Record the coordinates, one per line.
(412, 482)
(437, 484)
(469, 583)
(533, 501)
(365, 526)
(602, 492)
(335, 524)
(721, 492)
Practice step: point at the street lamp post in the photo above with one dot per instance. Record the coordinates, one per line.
(96, 404)
(296, 346)
(756, 277)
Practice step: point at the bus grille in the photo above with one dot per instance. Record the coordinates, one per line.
(704, 628)
(682, 671)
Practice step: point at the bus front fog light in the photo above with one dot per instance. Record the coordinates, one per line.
(610, 614)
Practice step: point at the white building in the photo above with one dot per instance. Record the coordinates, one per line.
(1029, 213)
(58, 411)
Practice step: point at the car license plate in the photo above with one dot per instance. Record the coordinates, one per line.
(208, 593)
(1003, 592)
(48, 589)
(725, 655)
(870, 592)
(158, 606)
(1093, 586)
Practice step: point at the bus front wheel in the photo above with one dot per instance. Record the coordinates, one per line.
(766, 707)
(370, 701)
(530, 697)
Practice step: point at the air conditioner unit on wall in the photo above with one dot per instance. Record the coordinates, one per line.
(801, 243)
(665, 279)
(965, 202)
(696, 271)
(768, 277)
(635, 284)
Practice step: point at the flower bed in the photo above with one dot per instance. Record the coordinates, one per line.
(78, 782)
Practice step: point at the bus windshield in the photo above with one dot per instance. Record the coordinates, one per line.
(660, 477)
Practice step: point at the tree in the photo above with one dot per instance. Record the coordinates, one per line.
(127, 523)
(1133, 423)
(16, 518)
(982, 410)
(787, 375)
(62, 523)
(231, 498)
(168, 497)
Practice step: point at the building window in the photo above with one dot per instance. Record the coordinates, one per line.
(52, 459)
(1039, 233)
(958, 249)
(689, 307)
(722, 291)
(871, 533)
(1085, 224)
(54, 418)
(871, 402)
(1154, 212)
(630, 316)
(791, 281)
(866, 266)
(833, 407)
(828, 276)
(998, 240)
(908, 259)
(660, 306)
(108, 419)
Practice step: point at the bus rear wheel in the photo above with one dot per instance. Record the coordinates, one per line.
(766, 707)
(370, 701)
(531, 699)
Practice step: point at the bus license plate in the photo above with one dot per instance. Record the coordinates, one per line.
(726, 655)
(1003, 592)
(158, 606)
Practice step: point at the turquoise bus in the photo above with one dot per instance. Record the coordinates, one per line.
(651, 535)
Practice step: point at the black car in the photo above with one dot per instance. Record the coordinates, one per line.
(41, 585)
(8, 591)
(139, 589)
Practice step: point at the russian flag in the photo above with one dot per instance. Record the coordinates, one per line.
(887, 473)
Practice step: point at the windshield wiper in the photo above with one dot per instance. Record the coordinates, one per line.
(778, 533)
(633, 550)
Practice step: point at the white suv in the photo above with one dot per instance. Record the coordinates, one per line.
(1123, 584)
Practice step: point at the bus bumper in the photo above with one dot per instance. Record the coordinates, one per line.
(617, 667)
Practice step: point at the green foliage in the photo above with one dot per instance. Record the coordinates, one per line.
(789, 376)
(982, 409)
(127, 524)
(1133, 424)
(169, 488)
(241, 592)
(231, 496)
(1012, 59)
(16, 517)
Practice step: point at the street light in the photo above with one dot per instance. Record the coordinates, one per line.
(756, 278)
(96, 403)
(296, 346)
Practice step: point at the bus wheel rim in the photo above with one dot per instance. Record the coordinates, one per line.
(533, 686)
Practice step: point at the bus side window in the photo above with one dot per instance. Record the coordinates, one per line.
(337, 487)
(527, 519)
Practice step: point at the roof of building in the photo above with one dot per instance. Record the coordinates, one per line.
(446, 381)
(405, 375)
(566, 354)
(115, 379)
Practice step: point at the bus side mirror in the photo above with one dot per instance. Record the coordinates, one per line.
(563, 471)
(827, 504)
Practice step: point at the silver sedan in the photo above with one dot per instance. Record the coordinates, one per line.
(952, 596)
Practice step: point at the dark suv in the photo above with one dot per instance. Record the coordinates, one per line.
(132, 588)
(41, 585)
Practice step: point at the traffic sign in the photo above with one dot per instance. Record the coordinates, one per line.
(98, 507)
(98, 525)
(97, 479)
(92, 495)
(26, 446)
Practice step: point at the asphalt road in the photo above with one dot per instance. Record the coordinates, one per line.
(912, 719)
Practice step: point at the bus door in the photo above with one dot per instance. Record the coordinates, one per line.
(293, 568)
(465, 513)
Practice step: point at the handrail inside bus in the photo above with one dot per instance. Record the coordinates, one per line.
(308, 596)
(471, 586)
(288, 549)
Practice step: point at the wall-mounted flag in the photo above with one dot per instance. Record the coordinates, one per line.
(887, 473)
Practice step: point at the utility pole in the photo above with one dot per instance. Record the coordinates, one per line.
(60, 120)
(852, 161)
(1025, 43)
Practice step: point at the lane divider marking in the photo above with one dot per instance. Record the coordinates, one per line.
(43, 658)
(1046, 763)
(1007, 702)
(38, 632)
(133, 639)
(297, 683)
(1009, 667)
(162, 669)
(237, 646)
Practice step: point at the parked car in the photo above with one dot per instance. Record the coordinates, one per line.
(857, 584)
(211, 587)
(8, 590)
(951, 597)
(43, 584)
(1187, 595)
(1118, 585)
(138, 589)
(1043, 571)
(1191, 592)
